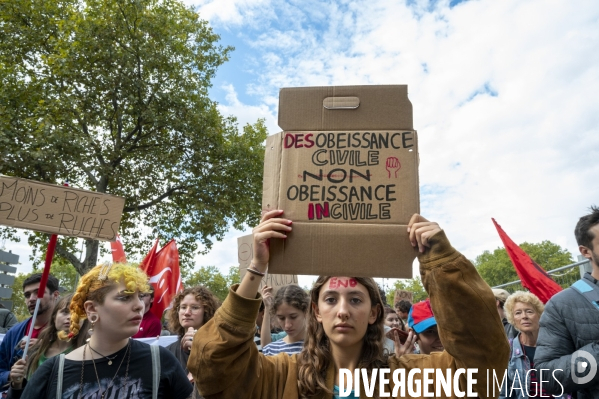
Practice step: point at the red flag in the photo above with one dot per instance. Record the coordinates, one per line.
(150, 259)
(43, 281)
(533, 277)
(118, 253)
(162, 268)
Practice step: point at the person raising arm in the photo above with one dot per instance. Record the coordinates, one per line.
(345, 326)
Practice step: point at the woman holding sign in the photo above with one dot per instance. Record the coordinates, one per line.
(345, 328)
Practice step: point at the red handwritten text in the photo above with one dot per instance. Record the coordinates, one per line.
(338, 282)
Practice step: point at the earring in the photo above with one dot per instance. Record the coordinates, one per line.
(91, 330)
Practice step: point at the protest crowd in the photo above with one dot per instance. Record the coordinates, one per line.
(293, 344)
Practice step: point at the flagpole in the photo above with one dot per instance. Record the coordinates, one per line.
(42, 288)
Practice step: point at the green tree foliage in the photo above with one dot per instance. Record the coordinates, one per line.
(412, 285)
(19, 308)
(496, 267)
(233, 276)
(211, 277)
(66, 274)
(112, 95)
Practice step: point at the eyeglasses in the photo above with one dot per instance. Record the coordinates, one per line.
(529, 313)
(194, 309)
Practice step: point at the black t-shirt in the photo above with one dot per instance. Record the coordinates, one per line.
(173, 380)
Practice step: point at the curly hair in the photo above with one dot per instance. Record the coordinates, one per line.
(203, 295)
(91, 288)
(291, 295)
(316, 356)
(404, 306)
(524, 297)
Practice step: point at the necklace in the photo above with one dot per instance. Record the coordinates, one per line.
(96, 371)
(110, 359)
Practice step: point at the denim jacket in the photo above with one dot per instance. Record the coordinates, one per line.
(518, 363)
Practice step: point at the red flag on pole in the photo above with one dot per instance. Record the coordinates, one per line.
(118, 253)
(162, 268)
(148, 262)
(43, 281)
(533, 277)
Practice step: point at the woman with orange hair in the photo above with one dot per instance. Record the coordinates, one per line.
(110, 364)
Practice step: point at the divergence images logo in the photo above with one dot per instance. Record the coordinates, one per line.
(582, 366)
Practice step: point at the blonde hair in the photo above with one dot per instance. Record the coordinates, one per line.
(315, 358)
(92, 288)
(523, 297)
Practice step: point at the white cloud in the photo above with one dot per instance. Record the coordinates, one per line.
(247, 113)
(232, 12)
(504, 97)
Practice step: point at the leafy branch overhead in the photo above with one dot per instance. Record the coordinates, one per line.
(113, 96)
(496, 268)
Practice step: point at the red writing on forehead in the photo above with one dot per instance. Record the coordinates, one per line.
(336, 282)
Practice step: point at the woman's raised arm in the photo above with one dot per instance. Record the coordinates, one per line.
(271, 226)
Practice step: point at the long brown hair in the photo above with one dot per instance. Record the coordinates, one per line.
(48, 335)
(316, 357)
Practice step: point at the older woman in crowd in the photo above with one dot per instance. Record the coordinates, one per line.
(523, 311)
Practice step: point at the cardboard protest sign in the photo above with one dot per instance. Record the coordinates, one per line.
(61, 210)
(244, 256)
(403, 295)
(345, 171)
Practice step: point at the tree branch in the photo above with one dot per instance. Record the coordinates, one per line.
(168, 193)
(60, 250)
(89, 173)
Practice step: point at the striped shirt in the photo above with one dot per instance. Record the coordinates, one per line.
(274, 348)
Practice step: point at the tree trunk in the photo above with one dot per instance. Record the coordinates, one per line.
(92, 247)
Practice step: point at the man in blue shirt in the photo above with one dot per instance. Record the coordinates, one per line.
(11, 348)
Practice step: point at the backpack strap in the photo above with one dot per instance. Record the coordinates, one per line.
(60, 375)
(155, 349)
(588, 290)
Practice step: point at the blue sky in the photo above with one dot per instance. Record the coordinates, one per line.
(504, 96)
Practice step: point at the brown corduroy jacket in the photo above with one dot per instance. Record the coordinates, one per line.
(225, 362)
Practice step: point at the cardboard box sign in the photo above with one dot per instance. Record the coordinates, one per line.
(61, 210)
(345, 171)
(244, 256)
(403, 295)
